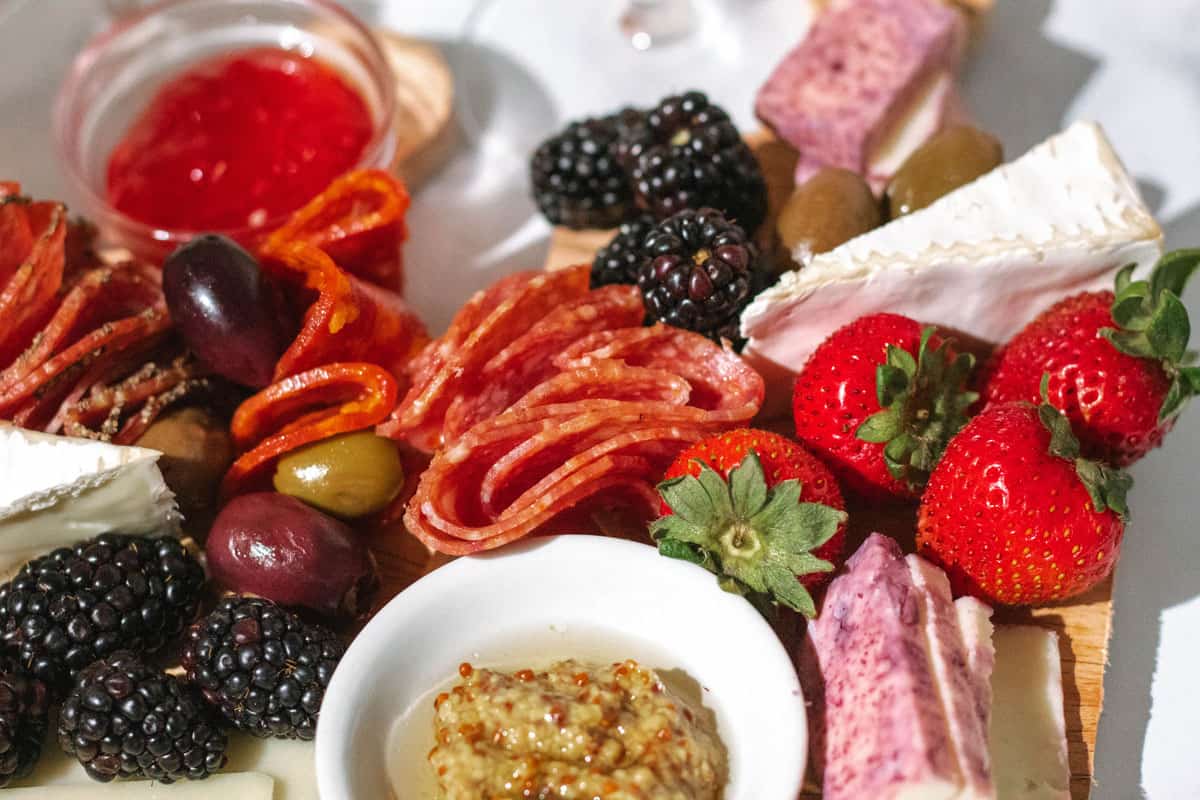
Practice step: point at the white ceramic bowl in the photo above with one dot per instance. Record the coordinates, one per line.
(569, 596)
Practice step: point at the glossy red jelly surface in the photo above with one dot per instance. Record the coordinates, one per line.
(236, 141)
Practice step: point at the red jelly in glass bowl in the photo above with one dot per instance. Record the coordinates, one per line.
(220, 116)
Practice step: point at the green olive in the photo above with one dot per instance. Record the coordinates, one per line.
(830, 208)
(951, 158)
(351, 475)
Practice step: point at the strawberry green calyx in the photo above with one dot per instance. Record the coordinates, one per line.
(1153, 323)
(924, 403)
(1107, 486)
(756, 538)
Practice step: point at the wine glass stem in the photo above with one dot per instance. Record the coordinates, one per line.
(649, 23)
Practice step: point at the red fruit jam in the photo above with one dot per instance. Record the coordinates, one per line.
(237, 141)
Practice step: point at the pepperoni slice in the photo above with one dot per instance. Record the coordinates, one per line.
(347, 320)
(359, 222)
(303, 408)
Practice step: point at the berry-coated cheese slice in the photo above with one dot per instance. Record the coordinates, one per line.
(57, 490)
(900, 700)
(981, 261)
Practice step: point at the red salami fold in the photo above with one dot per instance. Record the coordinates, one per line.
(359, 222)
(31, 263)
(304, 408)
(79, 343)
(348, 319)
(555, 403)
(453, 366)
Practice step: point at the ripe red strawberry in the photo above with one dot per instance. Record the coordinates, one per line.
(1116, 362)
(878, 400)
(1015, 516)
(759, 511)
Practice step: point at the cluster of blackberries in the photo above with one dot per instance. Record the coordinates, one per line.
(78, 625)
(655, 173)
(683, 153)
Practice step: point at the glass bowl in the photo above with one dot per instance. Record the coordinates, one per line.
(115, 76)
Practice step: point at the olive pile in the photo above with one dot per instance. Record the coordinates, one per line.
(836, 205)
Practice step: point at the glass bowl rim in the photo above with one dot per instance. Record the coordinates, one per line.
(107, 216)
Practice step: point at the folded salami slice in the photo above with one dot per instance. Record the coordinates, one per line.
(304, 408)
(529, 359)
(491, 321)
(31, 268)
(348, 320)
(80, 343)
(359, 222)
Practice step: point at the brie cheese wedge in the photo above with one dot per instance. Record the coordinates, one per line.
(981, 261)
(57, 490)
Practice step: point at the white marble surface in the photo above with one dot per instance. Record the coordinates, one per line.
(1133, 65)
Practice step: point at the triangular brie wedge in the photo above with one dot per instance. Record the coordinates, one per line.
(57, 490)
(982, 261)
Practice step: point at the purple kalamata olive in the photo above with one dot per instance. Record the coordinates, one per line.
(223, 305)
(274, 546)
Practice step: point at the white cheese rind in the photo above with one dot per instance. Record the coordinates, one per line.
(227, 786)
(983, 260)
(1028, 736)
(57, 490)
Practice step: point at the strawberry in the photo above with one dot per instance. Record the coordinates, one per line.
(759, 511)
(1013, 513)
(878, 400)
(1117, 362)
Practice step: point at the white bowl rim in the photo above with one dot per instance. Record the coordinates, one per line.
(771, 661)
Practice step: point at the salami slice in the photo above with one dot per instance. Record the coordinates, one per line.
(304, 408)
(721, 382)
(36, 233)
(96, 297)
(359, 222)
(454, 369)
(348, 319)
(529, 359)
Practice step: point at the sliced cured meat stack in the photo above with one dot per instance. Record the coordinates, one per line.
(83, 346)
(872, 80)
(545, 401)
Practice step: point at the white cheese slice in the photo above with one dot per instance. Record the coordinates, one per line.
(57, 490)
(227, 786)
(1028, 736)
(983, 260)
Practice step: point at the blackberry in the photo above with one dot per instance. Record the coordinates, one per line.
(577, 180)
(124, 719)
(698, 272)
(618, 261)
(689, 154)
(262, 666)
(24, 702)
(68, 608)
